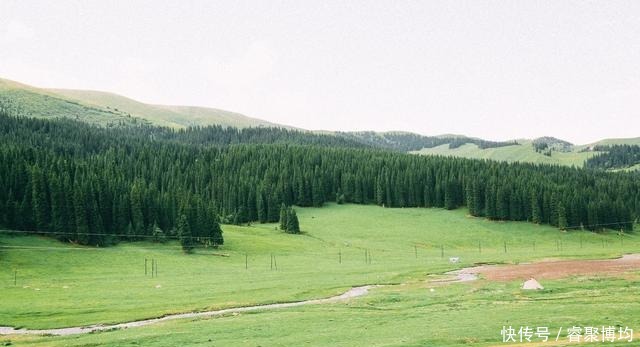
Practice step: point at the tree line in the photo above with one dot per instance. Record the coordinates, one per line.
(406, 142)
(614, 157)
(96, 186)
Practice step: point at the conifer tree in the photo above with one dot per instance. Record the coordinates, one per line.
(293, 226)
(184, 234)
(283, 217)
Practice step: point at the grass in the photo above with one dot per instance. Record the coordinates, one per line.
(173, 116)
(411, 315)
(516, 153)
(106, 108)
(82, 286)
(34, 102)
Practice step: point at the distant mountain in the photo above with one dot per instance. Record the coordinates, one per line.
(110, 109)
(107, 108)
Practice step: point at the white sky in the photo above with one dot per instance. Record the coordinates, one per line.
(492, 69)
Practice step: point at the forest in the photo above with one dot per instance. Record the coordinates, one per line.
(614, 157)
(92, 185)
(405, 142)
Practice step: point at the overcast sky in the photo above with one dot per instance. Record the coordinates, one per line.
(492, 69)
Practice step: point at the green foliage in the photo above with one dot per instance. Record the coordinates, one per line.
(289, 220)
(614, 157)
(158, 234)
(184, 234)
(96, 186)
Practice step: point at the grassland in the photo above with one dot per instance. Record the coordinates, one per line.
(411, 315)
(63, 285)
(39, 103)
(174, 116)
(523, 152)
(107, 108)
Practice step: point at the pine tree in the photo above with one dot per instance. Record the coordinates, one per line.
(450, 195)
(293, 226)
(184, 234)
(260, 207)
(562, 217)
(40, 200)
(82, 224)
(158, 234)
(137, 215)
(536, 213)
(283, 217)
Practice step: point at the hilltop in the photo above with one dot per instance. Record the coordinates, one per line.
(105, 108)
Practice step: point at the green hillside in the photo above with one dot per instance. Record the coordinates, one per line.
(523, 152)
(175, 116)
(107, 108)
(610, 142)
(34, 102)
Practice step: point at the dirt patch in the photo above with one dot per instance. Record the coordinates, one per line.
(557, 269)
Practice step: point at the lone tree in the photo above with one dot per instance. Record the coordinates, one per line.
(184, 234)
(289, 220)
(293, 226)
(283, 217)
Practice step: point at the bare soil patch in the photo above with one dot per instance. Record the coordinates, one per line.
(557, 269)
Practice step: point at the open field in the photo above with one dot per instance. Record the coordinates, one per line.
(61, 285)
(410, 315)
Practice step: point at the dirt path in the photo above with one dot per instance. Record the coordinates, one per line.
(556, 269)
(541, 270)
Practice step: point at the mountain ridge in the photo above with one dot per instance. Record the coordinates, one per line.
(108, 109)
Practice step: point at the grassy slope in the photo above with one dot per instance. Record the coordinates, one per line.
(521, 153)
(307, 267)
(35, 102)
(176, 116)
(605, 142)
(107, 108)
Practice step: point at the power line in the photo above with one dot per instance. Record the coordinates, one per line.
(95, 234)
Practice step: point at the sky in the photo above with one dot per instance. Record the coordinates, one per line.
(491, 69)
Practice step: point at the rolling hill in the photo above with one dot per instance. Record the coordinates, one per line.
(107, 108)
(34, 102)
(524, 151)
(175, 116)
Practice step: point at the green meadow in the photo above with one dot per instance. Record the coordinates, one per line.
(48, 284)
